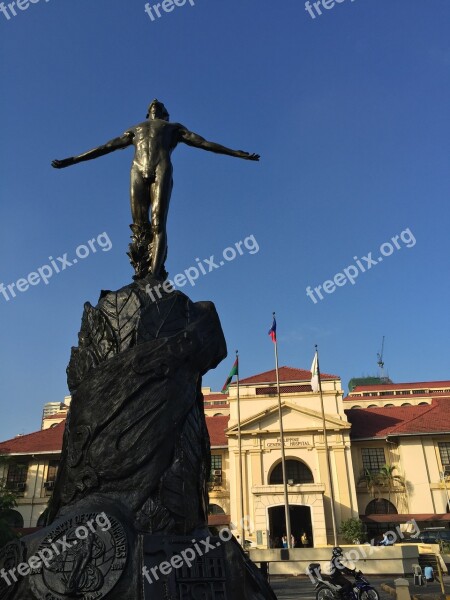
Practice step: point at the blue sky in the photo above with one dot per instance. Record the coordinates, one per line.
(349, 112)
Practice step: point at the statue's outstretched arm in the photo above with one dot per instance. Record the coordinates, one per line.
(195, 140)
(116, 144)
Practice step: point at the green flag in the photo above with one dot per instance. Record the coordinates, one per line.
(234, 371)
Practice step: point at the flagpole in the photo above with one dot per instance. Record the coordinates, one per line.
(241, 476)
(283, 457)
(330, 480)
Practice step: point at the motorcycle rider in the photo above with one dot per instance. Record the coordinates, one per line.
(337, 568)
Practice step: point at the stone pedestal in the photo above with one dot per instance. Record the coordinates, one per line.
(128, 517)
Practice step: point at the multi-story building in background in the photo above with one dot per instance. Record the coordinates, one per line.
(400, 429)
(405, 426)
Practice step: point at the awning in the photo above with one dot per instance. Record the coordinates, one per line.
(402, 518)
(218, 520)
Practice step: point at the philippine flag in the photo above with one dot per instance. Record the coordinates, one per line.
(273, 331)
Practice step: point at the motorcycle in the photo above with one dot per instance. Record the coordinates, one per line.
(326, 590)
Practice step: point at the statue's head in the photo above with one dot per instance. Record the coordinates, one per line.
(157, 110)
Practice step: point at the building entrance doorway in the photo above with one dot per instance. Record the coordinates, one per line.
(300, 524)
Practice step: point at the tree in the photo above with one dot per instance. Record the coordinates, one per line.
(353, 531)
(8, 501)
(388, 479)
(372, 482)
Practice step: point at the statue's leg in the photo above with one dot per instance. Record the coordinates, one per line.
(161, 191)
(140, 247)
(139, 198)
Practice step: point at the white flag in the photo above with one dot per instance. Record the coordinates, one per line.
(315, 374)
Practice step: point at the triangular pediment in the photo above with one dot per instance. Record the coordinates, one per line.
(295, 418)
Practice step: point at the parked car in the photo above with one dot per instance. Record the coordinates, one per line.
(430, 536)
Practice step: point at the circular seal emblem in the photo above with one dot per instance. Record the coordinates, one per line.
(11, 556)
(82, 557)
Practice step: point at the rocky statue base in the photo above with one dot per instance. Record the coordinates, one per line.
(128, 517)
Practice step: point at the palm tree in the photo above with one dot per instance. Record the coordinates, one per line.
(371, 480)
(388, 479)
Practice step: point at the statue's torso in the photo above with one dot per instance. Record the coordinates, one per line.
(154, 141)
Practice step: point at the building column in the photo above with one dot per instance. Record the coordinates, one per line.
(323, 470)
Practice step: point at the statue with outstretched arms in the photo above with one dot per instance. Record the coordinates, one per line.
(151, 181)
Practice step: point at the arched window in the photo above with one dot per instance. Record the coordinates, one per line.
(386, 405)
(218, 415)
(372, 406)
(423, 403)
(356, 406)
(296, 472)
(215, 509)
(380, 506)
(13, 518)
(406, 404)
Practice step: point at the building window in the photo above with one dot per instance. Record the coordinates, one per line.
(444, 451)
(380, 506)
(373, 459)
(52, 470)
(215, 477)
(216, 462)
(406, 404)
(296, 472)
(17, 476)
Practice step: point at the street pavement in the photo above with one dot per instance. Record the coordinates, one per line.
(294, 588)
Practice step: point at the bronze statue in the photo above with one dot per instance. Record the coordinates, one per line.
(151, 181)
(136, 449)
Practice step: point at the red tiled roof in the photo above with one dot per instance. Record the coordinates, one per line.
(46, 440)
(216, 428)
(286, 374)
(418, 385)
(399, 420)
(216, 396)
(50, 440)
